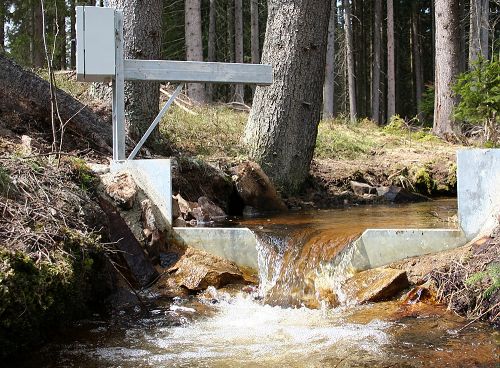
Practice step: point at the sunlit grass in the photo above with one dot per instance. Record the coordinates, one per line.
(214, 131)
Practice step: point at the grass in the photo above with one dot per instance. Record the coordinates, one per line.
(67, 82)
(216, 131)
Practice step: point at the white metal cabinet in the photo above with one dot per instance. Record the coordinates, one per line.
(95, 44)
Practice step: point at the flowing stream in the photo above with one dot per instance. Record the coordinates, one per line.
(285, 323)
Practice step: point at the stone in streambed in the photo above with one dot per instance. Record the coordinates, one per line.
(399, 195)
(197, 270)
(375, 285)
(361, 189)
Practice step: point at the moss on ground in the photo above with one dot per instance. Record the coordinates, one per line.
(37, 295)
(51, 258)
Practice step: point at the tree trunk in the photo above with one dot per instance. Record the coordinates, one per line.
(377, 27)
(351, 79)
(329, 86)
(194, 45)
(478, 32)
(254, 31)
(417, 61)
(254, 34)
(230, 39)
(447, 61)
(2, 25)
(282, 127)
(212, 15)
(239, 89)
(142, 30)
(72, 34)
(61, 24)
(38, 56)
(391, 74)
(28, 96)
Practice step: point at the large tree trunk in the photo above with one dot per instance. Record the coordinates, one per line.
(27, 95)
(329, 86)
(37, 50)
(447, 62)
(417, 61)
(230, 40)
(61, 25)
(282, 127)
(391, 72)
(212, 15)
(142, 31)
(72, 34)
(478, 32)
(254, 34)
(239, 89)
(351, 78)
(377, 32)
(254, 31)
(2, 25)
(194, 45)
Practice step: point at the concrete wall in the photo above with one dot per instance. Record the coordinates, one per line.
(154, 178)
(235, 244)
(379, 247)
(478, 177)
(478, 185)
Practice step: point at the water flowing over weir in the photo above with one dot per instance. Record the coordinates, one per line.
(234, 328)
(303, 259)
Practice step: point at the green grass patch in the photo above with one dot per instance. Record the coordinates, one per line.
(67, 82)
(213, 132)
(342, 140)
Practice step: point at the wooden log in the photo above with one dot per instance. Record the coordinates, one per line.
(26, 94)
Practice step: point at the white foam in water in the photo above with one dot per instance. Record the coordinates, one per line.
(244, 329)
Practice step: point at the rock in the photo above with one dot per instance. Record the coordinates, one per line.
(121, 187)
(362, 188)
(179, 222)
(425, 293)
(399, 195)
(197, 270)
(208, 211)
(375, 285)
(98, 169)
(183, 205)
(194, 178)
(176, 210)
(255, 188)
(130, 249)
(154, 232)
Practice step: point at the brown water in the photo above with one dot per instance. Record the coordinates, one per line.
(296, 249)
(236, 329)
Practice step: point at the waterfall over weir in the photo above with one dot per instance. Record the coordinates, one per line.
(234, 328)
(304, 258)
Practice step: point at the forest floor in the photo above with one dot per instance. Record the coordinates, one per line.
(397, 154)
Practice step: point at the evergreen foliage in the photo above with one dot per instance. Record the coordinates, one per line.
(479, 91)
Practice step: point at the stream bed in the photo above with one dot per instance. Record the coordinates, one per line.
(233, 327)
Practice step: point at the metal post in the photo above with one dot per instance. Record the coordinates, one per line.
(119, 92)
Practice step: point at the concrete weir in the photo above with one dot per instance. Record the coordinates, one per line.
(478, 181)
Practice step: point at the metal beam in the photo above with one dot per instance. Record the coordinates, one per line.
(197, 71)
(155, 122)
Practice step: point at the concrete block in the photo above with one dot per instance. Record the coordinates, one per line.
(238, 245)
(478, 186)
(379, 247)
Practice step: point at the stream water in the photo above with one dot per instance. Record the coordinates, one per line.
(234, 328)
